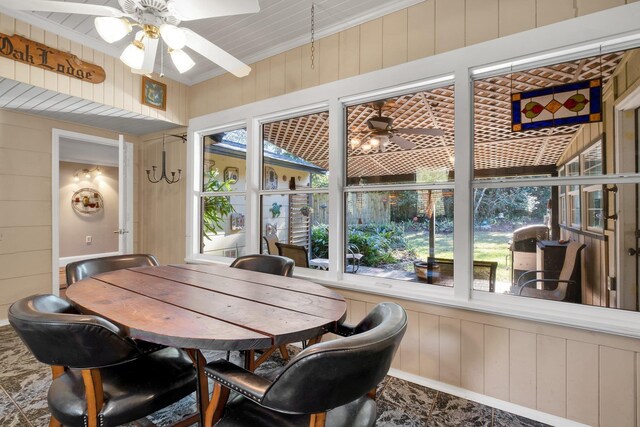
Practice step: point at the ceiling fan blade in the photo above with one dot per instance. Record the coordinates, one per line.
(214, 54)
(150, 48)
(190, 10)
(434, 132)
(405, 144)
(63, 7)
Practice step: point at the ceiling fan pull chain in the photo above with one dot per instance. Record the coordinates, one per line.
(313, 31)
(161, 58)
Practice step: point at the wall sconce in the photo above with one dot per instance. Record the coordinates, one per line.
(86, 173)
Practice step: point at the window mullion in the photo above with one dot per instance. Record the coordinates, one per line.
(254, 172)
(462, 214)
(336, 184)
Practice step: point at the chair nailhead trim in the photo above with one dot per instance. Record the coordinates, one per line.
(231, 386)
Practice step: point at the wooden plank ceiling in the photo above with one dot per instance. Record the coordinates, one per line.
(495, 146)
(279, 26)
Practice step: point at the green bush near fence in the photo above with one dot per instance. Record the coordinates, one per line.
(379, 244)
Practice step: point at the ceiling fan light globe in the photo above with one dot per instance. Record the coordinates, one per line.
(133, 55)
(355, 143)
(366, 147)
(112, 29)
(181, 60)
(375, 142)
(173, 36)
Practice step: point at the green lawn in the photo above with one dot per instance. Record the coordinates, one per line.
(488, 246)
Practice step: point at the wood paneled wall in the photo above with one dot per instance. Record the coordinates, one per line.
(584, 376)
(161, 209)
(25, 203)
(428, 28)
(121, 88)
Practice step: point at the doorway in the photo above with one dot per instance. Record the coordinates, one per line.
(626, 292)
(91, 193)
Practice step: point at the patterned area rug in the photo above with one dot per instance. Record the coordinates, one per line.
(24, 383)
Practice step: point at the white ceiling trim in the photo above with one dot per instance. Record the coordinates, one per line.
(390, 7)
(108, 49)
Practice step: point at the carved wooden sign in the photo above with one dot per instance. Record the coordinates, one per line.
(39, 55)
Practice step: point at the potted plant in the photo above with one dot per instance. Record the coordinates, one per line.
(306, 210)
(275, 209)
(215, 208)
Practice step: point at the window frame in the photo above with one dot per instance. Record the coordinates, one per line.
(262, 191)
(557, 42)
(372, 188)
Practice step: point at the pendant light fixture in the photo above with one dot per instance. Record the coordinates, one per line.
(163, 174)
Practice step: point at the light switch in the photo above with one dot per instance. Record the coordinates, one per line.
(87, 239)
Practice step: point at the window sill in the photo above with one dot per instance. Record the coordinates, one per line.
(590, 318)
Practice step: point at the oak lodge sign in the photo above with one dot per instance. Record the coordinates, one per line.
(39, 55)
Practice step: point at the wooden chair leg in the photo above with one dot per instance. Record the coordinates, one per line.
(94, 395)
(216, 404)
(249, 360)
(56, 371)
(372, 393)
(318, 420)
(313, 341)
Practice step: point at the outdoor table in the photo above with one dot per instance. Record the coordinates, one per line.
(211, 307)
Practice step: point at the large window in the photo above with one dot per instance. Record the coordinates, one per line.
(399, 197)
(555, 219)
(295, 158)
(380, 217)
(223, 185)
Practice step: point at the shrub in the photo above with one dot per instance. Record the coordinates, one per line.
(320, 241)
(378, 243)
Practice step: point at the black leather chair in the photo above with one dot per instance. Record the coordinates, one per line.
(88, 267)
(100, 376)
(330, 382)
(272, 264)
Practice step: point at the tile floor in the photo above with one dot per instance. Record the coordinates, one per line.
(24, 383)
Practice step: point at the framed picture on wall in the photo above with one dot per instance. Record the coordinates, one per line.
(154, 93)
(231, 175)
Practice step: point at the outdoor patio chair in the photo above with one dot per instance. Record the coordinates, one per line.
(330, 383)
(565, 287)
(101, 377)
(88, 267)
(440, 271)
(353, 256)
(297, 253)
(271, 240)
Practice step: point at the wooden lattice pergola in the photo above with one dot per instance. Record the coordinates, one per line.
(496, 148)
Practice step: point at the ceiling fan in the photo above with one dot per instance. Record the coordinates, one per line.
(157, 19)
(381, 131)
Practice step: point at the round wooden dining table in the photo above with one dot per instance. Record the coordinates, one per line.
(196, 307)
